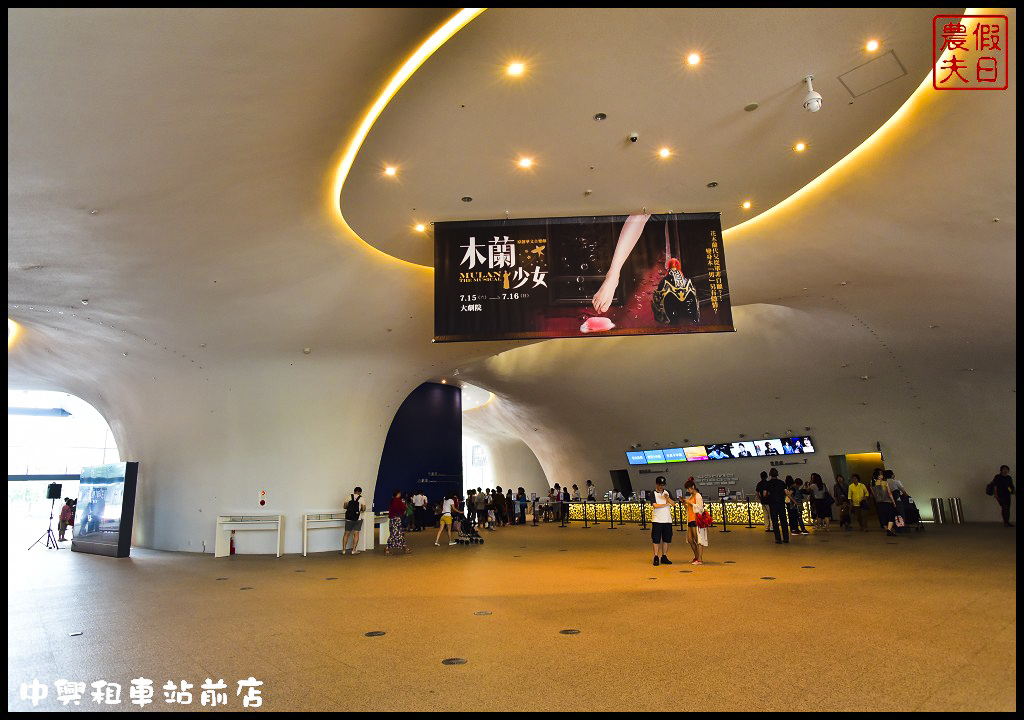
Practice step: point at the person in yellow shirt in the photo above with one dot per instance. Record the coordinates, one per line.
(857, 494)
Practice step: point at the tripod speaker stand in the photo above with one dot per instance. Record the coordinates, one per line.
(52, 494)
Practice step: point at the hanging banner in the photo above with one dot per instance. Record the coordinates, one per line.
(580, 276)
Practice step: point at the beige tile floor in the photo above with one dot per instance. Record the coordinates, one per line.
(926, 622)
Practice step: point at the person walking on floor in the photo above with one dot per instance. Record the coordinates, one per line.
(762, 497)
(396, 538)
(447, 517)
(841, 491)
(354, 508)
(661, 522)
(886, 505)
(696, 536)
(1002, 490)
(419, 509)
(777, 495)
(858, 497)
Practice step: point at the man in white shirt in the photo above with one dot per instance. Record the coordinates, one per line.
(419, 507)
(661, 522)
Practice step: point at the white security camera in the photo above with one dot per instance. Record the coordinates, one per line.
(633, 137)
(812, 101)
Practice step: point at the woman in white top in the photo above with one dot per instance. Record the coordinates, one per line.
(446, 520)
(697, 537)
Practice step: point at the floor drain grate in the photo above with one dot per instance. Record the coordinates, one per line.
(806, 567)
(374, 633)
(767, 577)
(483, 612)
(245, 588)
(454, 661)
(568, 632)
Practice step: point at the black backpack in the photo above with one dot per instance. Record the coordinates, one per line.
(352, 509)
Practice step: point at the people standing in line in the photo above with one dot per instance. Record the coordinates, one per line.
(777, 495)
(795, 507)
(499, 507)
(521, 502)
(822, 500)
(885, 504)
(447, 517)
(858, 497)
(1002, 486)
(575, 492)
(409, 521)
(841, 491)
(67, 515)
(354, 508)
(762, 497)
(697, 537)
(480, 504)
(396, 538)
(510, 506)
(591, 492)
(556, 502)
(661, 522)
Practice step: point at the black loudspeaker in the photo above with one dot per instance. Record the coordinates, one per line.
(53, 491)
(620, 482)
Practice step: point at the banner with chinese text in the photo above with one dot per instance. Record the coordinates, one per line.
(576, 276)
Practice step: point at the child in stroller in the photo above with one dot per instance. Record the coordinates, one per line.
(467, 534)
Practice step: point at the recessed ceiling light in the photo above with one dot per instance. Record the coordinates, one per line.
(467, 198)
(525, 162)
(712, 184)
(693, 59)
(600, 116)
(800, 147)
(516, 68)
(746, 205)
(390, 171)
(872, 45)
(664, 152)
(420, 227)
(751, 107)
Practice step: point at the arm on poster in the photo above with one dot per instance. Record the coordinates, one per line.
(630, 233)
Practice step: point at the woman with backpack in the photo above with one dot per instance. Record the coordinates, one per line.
(840, 491)
(696, 536)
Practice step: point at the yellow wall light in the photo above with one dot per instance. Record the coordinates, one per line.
(411, 65)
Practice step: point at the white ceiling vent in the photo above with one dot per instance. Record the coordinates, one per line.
(873, 74)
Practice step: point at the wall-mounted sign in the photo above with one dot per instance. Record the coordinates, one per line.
(576, 276)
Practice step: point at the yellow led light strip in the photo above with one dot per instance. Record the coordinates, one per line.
(435, 41)
(905, 109)
(13, 330)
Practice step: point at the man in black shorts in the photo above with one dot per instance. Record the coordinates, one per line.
(661, 522)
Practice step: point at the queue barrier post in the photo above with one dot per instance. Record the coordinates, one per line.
(750, 521)
(725, 521)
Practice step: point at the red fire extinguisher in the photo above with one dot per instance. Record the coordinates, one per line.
(232, 542)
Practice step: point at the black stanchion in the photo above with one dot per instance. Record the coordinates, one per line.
(535, 513)
(725, 522)
(643, 513)
(750, 521)
(620, 513)
(586, 524)
(565, 513)
(611, 515)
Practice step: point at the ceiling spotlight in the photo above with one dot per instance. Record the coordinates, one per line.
(693, 59)
(600, 116)
(746, 205)
(516, 68)
(800, 147)
(525, 162)
(872, 45)
(420, 227)
(812, 100)
(307, 351)
(390, 171)
(664, 152)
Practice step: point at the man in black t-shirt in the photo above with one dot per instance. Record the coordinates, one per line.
(1003, 490)
(776, 493)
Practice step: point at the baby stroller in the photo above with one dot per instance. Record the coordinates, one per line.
(911, 515)
(467, 533)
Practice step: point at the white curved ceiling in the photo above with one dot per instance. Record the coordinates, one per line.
(459, 125)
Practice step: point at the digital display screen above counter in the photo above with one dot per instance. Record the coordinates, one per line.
(723, 451)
